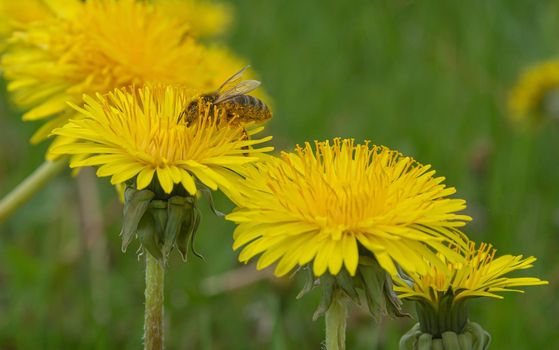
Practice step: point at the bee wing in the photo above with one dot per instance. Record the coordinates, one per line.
(233, 80)
(241, 88)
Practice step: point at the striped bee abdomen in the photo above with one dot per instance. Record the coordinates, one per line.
(247, 108)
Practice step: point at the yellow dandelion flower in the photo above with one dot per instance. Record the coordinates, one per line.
(441, 293)
(102, 46)
(481, 275)
(205, 18)
(138, 136)
(16, 14)
(536, 93)
(335, 204)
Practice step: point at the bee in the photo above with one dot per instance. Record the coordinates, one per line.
(232, 97)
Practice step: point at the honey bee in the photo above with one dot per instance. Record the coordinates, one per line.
(232, 97)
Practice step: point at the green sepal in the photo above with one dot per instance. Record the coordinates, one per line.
(345, 282)
(371, 278)
(459, 318)
(171, 219)
(187, 228)
(208, 192)
(196, 223)
(481, 339)
(183, 238)
(379, 294)
(407, 340)
(175, 218)
(427, 317)
(158, 209)
(328, 283)
(394, 303)
(135, 205)
(310, 282)
(443, 315)
(473, 337)
(450, 340)
(438, 345)
(465, 340)
(148, 236)
(447, 315)
(425, 341)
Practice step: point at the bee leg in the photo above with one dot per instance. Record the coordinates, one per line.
(245, 137)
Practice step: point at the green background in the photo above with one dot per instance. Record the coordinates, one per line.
(429, 78)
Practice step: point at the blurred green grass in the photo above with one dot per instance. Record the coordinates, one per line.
(427, 78)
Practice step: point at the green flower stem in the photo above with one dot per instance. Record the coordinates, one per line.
(30, 186)
(153, 322)
(336, 323)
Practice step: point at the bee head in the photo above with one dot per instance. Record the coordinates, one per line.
(198, 105)
(208, 98)
(201, 102)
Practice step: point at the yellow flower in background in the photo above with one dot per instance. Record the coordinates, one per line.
(105, 45)
(138, 135)
(16, 14)
(536, 93)
(481, 275)
(329, 205)
(205, 18)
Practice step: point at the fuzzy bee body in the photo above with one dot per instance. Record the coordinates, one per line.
(231, 97)
(247, 108)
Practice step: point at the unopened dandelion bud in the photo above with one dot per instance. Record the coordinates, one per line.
(135, 205)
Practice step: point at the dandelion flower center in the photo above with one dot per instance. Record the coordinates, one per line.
(349, 188)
